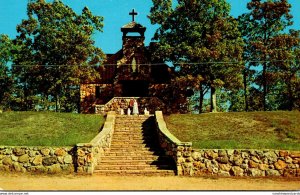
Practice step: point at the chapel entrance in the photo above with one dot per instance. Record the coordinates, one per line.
(135, 88)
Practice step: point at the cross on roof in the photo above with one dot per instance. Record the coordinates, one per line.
(133, 13)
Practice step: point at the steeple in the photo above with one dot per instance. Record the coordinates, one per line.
(133, 27)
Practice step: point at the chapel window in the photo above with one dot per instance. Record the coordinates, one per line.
(133, 65)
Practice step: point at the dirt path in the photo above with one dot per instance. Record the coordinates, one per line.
(74, 182)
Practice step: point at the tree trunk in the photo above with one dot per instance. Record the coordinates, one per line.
(57, 103)
(264, 76)
(26, 93)
(264, 86)
(290, 95)
(245, 91)
(201, 99)
(213, 100)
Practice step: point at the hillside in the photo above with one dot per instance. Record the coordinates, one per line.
(253, 130)
(47, 128)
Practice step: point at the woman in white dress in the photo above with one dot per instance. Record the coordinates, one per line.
(135, 108)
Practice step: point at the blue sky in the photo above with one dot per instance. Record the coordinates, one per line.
(115, 13)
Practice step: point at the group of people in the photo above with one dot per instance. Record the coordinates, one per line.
(133, 105)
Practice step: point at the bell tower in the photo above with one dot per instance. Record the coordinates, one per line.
(133, 39)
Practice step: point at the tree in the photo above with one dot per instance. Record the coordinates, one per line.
(174, 95)
(266, 20)
(56, 52)
(196, 36)
(285, 51)
(6, 81)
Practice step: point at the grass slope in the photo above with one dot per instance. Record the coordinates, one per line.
(47, 128)
(253, 130)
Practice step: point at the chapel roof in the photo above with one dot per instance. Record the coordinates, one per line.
(133, 24)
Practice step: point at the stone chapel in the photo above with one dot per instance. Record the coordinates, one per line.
(128, 73)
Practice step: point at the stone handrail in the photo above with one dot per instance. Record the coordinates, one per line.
(172, 146)
(88, 154)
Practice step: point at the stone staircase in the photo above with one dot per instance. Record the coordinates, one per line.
(135, 150)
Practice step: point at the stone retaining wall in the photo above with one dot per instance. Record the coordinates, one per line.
(255, 163)
(151, 103)
(37, 159)
(81, 159)
(88, 154)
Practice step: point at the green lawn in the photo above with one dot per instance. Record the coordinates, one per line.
(47, 128)
(240, 130)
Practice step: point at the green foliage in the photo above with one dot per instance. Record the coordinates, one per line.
(6, 80)
(56, 52)
(174, 95)
(285, 71)
(47, 128)
(199, 31)
(267, 47)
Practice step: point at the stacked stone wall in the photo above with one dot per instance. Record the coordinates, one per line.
(250, 162)
(81, 159)
(37, 159)
(255, 163)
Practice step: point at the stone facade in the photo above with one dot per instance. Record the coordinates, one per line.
(37, 159)
(255, 163)
(88, 98)
(127, 73)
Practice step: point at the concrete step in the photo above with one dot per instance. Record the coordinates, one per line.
(114, 152)
(136, 147)
(128, 148)
(139, 144)
(133, 137)
(135, 122)
(134, 162)
(150, 158)
(131, 146)
(131, 126)
(124, 141)
(135, 172)
(133, 167)
(128, 127)
(133, 153)
(132, 118)
(132, 133)
(126, 157)
(129, 136)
